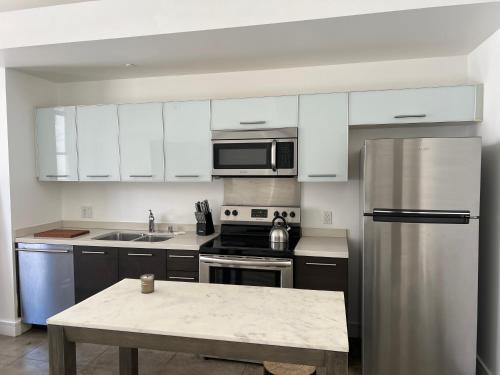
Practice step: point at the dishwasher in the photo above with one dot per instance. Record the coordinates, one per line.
(46, 280)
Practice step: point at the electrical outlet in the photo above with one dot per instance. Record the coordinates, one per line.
(327, 217)
(86, 212)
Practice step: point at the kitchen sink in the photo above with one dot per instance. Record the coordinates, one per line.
(118, 236)
(152, 238)
(136, 237)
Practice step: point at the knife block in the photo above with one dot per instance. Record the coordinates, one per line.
(205, 227)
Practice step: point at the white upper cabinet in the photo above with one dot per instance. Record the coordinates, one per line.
(433, 104)
(188, 147)
(141, 142)
(98, 152)
(323, 137)
(255, 113)
(57, 159)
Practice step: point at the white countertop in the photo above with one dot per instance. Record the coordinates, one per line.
(185, 241)
(317, 246)
(271, 316)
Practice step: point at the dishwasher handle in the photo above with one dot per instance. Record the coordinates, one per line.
(44, 251)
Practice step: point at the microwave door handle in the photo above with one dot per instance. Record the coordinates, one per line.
(273, 155)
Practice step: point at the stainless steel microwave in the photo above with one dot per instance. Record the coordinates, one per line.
(253, 153)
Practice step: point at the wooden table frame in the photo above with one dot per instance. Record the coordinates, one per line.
(62, 349)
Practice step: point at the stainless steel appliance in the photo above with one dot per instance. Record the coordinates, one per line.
(249, 153)
(243, 255)
(420, 255)
(46, 280)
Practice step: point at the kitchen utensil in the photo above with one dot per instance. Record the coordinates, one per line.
(278, 236)
(62, 233)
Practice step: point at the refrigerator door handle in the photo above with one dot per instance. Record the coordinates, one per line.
(421, 216)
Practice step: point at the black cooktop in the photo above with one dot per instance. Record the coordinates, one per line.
(249, 240)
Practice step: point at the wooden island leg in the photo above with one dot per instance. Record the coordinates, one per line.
(336, 363)
(62, 353)
(129, 364)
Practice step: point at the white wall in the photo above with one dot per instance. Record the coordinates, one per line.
(173, 202)
(7, 290)
(484, 65)
(24, 94)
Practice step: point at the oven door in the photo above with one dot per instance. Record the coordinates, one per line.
(242, 270)
(255, 157)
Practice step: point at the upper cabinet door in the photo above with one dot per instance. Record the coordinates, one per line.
(98, 152)
(255, 113)
(434, 104)
(57, 158)
(141, 142)
(323, 137)
(188, 147)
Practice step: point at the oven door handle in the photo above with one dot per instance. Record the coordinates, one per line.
(265, 263)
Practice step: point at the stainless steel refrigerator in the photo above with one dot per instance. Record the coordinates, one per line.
(420, 255)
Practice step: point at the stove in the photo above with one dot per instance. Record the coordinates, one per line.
(242, 253)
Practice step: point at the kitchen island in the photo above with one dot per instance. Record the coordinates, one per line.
(252, 323)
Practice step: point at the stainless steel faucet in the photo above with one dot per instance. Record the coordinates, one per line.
(151, 221)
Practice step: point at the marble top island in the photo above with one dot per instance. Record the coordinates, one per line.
(287, 325)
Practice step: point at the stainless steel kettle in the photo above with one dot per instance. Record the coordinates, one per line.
(279, 234)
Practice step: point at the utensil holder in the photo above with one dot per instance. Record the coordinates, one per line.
(205, 224)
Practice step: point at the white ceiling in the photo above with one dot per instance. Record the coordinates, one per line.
(444, 31)
(8, 5)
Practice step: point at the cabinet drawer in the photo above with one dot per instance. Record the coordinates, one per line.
(255, 113)
(96, 268)
(320, 273)
(136, 262)
(422, 105)
(182, 260)
(189, 277)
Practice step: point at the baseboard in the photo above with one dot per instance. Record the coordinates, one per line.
(481, 368)
(13, 328)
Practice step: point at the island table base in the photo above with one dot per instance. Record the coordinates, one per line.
(62, 350)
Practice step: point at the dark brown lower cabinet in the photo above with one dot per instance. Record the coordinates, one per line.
(182, 265)
(96, 268)
(135, 262)
(320, 273)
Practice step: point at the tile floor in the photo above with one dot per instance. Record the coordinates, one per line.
(28, 355)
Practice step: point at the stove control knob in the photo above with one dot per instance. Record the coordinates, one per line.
(235, 213)
(284, 214)
(276, 213)
(227, 212)
(292, 214)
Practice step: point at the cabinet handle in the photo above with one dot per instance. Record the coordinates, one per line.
(181, 278)
(261, 122)
(98, 175)
(322, 175)
(56, 175)
(187, 175)
(141, 175)
(181, 256)
(140, 255)
(411, 116)
(321, 264)
(44, 251)
(94, 252)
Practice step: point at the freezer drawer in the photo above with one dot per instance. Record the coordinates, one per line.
(422, 174)
(46, 281)
(419, 304)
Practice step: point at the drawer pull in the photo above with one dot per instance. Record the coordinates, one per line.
(322, 175)
(141, 175)
(94, 252)
(411, 116)
(187, 175)
(321, 264)
(56, 175)
(262, 122)
(181, 256)
(181, 278)
(140, 255)
(98, 175)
